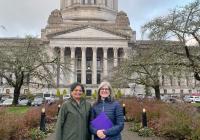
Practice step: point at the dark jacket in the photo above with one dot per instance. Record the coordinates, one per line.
(73, 121)
(114, 111)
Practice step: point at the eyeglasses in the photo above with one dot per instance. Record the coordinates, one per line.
(104, 89)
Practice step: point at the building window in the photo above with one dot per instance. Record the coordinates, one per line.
(163, 79)
(95, 2)
(179, 81)
(99, 63)
(89, 78)
(25, 91)
(1, 81)
(79, 77)
(165, 91)
(7, 91)
(181, 91)
(171, 80)
(78, 63)
(173, 91)
(187, 80)
(98, 78)
(88, 92)
(89, 63)
(190, 91)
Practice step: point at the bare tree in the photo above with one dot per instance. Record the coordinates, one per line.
(29, 63)
(182, 23)
(146, 65)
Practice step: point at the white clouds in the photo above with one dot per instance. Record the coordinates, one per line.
(21, 17)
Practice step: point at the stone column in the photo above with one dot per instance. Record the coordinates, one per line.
(92, 2)
(115, 57)
(72, 65)
(103, 2)
(62, 63)
(57, 53)
(115, 4)
(83, 66)
(105, 62)
(125, 52)
(62, 4)
(94, 66)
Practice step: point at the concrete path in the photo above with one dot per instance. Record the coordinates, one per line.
(126, 135)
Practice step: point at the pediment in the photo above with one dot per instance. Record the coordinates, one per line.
(88, 33)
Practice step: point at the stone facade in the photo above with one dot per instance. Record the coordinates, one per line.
(91, 37)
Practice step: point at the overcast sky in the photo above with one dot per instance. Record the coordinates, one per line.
(27, 17)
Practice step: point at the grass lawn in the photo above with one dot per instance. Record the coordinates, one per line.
(18, 110)
(196, 104)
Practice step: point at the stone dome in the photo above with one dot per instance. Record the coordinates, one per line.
(55, 17)
(89, 10)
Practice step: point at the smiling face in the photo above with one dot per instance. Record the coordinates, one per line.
(77, 92)
(104, 91)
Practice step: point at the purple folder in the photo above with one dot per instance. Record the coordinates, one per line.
(102, 122)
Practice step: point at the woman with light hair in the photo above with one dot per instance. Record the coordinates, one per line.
(107, 120)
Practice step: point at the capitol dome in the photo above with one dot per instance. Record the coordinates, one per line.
(89, 10)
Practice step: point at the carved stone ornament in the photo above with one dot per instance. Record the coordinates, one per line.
(55, 17)
(122, 19)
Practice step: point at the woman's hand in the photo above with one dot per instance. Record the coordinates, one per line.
(100, 134)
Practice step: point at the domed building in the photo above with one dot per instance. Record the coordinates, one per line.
(91, 37)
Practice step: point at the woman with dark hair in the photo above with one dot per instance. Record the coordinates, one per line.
(111, 110)
(73, 118)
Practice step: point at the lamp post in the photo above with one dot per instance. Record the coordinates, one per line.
(58, 109)
(144, 118)
(124, 111)
(42, 120)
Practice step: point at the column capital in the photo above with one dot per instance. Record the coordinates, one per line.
(94, 49)
(72, 49)
(83, 48)
(115, 49)
(105, 49)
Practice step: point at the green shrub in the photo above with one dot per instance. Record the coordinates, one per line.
(58, 92)
(118, 95)
(146, 132)
(36, 134)
(64, 92)
(196, 134)
(94, 94)
(136, 127)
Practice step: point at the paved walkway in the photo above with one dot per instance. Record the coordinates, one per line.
(126, 135)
